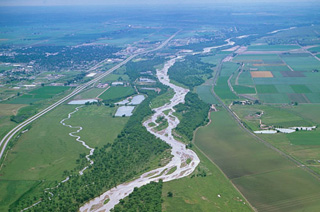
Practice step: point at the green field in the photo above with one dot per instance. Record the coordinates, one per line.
(272, 47)
(239, 89)
(38, 94)
(162, 99)
(301, 62)
(205, 94)
(266, 89)
(117, 92)
(269, 181)
(300, 89)
(91, 93)
(272, 116)
(258, 59)
(114, 77)
(214, 59)
(198, 193)
(222, 89)
(228, 68)
(315, 49)
(38, 155)
(10, 109)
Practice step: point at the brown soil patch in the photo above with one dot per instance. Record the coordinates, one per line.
(261, 74)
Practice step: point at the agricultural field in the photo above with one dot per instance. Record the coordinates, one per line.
(279, 78)
(255, 169)
(89, 94)
(301, 62)
(272, 47)
(38, 94)
(6, 111)
(117, 92)
(205, 94)
(201, 191)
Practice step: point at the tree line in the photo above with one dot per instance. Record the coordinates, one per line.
(130, 155)
(194, 114)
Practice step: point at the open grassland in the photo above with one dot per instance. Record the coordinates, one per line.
(315, 49)
(301, 62)
(117, 92)
(266, 89)
(239, 89)
(162, 99)
(10, 109)
(245, 78)
(89, 94)
(222, 89)
(11, 190)
(99, 126)
(300, 89)
(303, 145)
(258, 59)
(38, 94)
(205, 94)
(272, 47)
(37, 155)
(114, 77)
(309, 112)
(214, 59)
(228, 68)
(272, 116)
(269, 181)
(200, 193)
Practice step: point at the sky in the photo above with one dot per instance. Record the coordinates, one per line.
(130, 2)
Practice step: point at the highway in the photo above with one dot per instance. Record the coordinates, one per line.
(6, 139)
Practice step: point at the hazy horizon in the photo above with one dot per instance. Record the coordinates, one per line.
(140, 2)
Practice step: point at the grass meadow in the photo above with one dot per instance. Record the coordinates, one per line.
(116, 92)
(38, 155)
(205, 94)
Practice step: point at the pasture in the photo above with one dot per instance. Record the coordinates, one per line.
(239, 89)
(38, 94)
(162, 99)
(90, 93)
(117, 92)
(301, 62)
(10, 109)
(266, 89)
(222, 89)
(205, 94)
(37, 155)
(255, 169)
(272, 47)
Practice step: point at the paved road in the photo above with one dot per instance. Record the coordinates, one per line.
(299, 164)
(6, 139)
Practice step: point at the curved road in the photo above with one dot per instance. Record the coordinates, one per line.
(5, 140)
